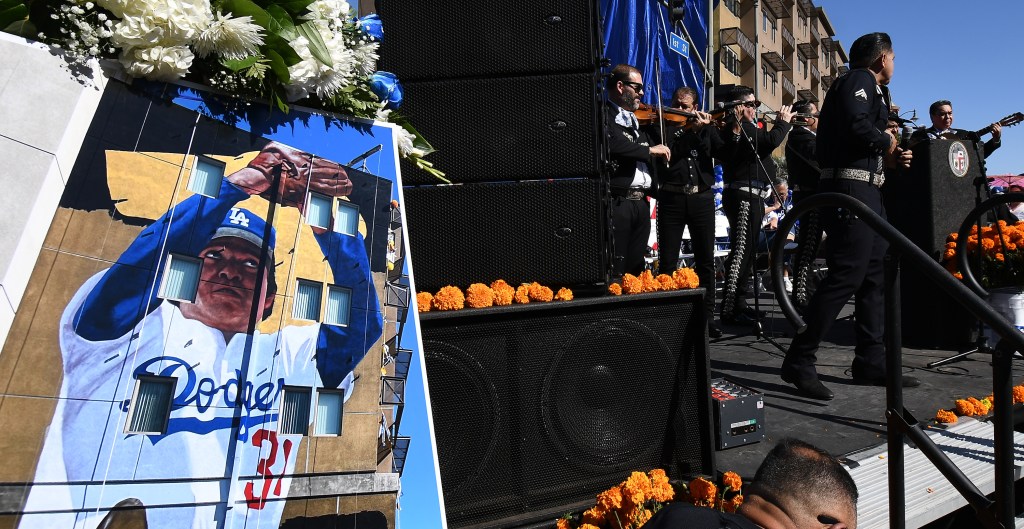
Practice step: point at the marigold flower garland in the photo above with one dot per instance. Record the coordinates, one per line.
(972, 407)
(630, 504)
(1002, 254)
(500, 293)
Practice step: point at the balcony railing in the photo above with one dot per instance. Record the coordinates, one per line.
(738, 37)
(788, 86)
(815, 73)
(814, 30)
(788, 38)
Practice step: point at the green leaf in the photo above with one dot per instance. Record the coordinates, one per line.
(281, 104)
(240, 64)
(12, 14)
(278, 66)
(283, 49)
(317, 46)
(296, 7)
(246, 8)
(281, 23)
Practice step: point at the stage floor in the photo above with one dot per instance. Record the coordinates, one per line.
(854, 420)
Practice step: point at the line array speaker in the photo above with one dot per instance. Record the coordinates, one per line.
(441, 39)
(509, 128)
(539, 407)
(552, 232)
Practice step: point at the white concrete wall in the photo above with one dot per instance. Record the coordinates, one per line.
(44, 115)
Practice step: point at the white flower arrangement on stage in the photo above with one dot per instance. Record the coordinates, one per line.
(314, 52)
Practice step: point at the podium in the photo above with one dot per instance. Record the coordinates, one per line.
(926, 203)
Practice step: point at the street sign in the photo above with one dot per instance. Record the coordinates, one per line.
(679, 45)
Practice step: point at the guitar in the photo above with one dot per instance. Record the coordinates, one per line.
(1008, 121)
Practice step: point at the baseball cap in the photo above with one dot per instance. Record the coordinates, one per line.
(245, 225)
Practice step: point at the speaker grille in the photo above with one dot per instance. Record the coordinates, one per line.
(513, 128)
(549, 232)
(440, 39)
(585, 391)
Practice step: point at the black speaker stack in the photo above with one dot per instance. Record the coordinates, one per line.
(539, 407)
(510, 94)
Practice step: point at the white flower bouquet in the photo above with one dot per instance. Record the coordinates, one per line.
(310, 51)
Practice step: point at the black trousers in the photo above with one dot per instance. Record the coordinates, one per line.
(745, 212)
(631, 227)
(676, 211)
(855, 254)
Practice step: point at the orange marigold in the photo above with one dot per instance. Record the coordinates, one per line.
(589, 526)
(564, 294)
(732, 480)
(594, 515)
(945, 417)
(503, 292)
(686, 278)
(615, 289)
(1018, 394)
(661, 489)
(667, 283)
(423, 300)
(733, 504)
(562, 523)
(539, 292)
(649, 283)
(632, 284)
(637, 488)
(703, 492)
(966, 408)
(642, 517)
(952, 236)
(610, 499)
(479, 295)
(982, 406)
(449, 298)
(523, 294)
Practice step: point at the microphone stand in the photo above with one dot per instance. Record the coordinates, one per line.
(758, 327)
(981, 342)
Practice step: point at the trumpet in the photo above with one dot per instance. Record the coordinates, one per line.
(798, 118)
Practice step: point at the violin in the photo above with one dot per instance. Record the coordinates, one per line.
(647, 115)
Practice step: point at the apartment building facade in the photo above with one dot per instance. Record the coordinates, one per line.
(785, 50)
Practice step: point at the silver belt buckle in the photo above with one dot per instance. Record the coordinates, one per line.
(691, 190)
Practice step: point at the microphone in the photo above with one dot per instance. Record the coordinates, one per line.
(908, 130)
(365, 155)
(727, 105)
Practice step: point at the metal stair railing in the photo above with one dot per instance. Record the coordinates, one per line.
(901, 424)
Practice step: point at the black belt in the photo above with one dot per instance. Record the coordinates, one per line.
(632, 193)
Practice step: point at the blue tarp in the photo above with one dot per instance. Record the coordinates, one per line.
(636, 31)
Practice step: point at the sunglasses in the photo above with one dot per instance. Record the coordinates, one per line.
(639, 87)
(752, 104)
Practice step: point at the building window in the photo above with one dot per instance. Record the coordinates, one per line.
(206, 176)
(294, 411)
(329, 407)
(769, 82)
(347, 221)
(803, 25)
(801, 66)
(764, 22)
(318, 210)
(733, 6)
(730, 61)
(181, 278)
(775, 28)
(151, 405)
(339, 305)
(306, 305)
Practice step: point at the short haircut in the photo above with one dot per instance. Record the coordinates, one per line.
(621, 72)
(796, 472)
(685, 90)
(733, 93)
(802, 106)
(868, 48)
(934, 108)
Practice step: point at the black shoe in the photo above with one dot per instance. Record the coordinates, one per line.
(809, 387)
(714, 331)
(907, 381)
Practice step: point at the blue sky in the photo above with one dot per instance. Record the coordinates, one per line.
(963, 52)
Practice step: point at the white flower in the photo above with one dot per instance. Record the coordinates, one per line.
(232, 38)
(364, 58)
(405, 143)
(157, 63)
(328, 10)
(382, 114)
(312, 76)
(164, 23)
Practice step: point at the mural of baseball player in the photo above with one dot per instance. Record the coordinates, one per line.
(222, 460)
